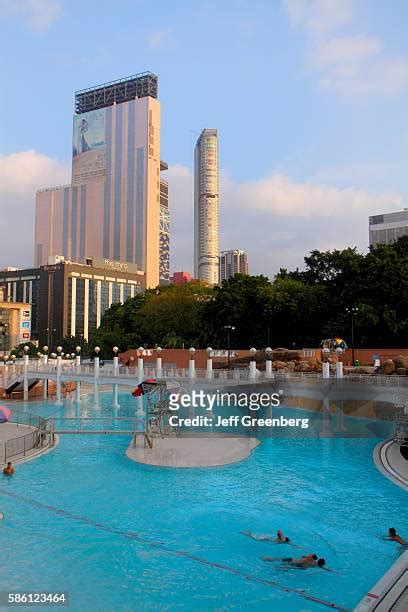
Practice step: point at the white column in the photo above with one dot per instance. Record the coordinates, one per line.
(191, 368)
(14, 291)
(110, 294)
(73, 305)
(45, 382)
(86, 309)
(30, 292)
(326, 370)
(115, 386)
(25, 291)
(121, 293)
(78, 382)
(268, 368)
(132, 291)
(96, 376)
(6, 378)
(209, 372)
(158, 367)
(25, 379)
(252, 369)
(140, 372)
(58, 391)
(98, 302)
(339, 369)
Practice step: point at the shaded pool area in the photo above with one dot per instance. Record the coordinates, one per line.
(118, 535)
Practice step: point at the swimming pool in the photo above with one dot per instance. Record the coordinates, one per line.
(122, 536)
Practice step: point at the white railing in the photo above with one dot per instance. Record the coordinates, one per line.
(149, 371)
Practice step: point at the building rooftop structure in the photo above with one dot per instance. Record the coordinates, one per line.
(115, 92)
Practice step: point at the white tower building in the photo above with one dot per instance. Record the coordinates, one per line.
(206, 213)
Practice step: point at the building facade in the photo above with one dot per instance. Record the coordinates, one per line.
(111, 209)
(71, 298)
(206, 207)
(164, 240)
(387, 228)
(233, 262)
(181, 278)
(15, 324)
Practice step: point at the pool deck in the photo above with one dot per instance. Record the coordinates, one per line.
(391, 591)
(11, 431)
(192, 451)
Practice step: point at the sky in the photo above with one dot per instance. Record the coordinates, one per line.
(309, 97)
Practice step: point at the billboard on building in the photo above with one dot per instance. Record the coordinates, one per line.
(24, 332)
(88, 147)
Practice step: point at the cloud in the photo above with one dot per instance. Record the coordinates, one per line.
(21, 174)
(38, 15)
(355, 65)
(160, 39)
(343, 50)
(275, 219)
(319, 16)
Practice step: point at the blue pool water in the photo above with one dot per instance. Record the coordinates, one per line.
(122, 536)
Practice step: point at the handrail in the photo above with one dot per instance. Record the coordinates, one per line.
(20, 445)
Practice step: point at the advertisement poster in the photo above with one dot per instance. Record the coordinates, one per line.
(88, 147)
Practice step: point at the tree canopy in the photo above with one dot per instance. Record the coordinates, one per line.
(297, 308)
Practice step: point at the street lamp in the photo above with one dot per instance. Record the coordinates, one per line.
(326, 353)
(268, 352)
(115, 350)
(353, 313)
(229, 329)
(45, 349)
(78, 349)
(59, 349)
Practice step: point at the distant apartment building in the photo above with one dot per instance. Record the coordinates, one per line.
(181, 278)
(69, 299)
(233, 262)
(112, 207)
(206, 208)
(387, 228)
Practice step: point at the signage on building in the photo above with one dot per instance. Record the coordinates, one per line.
(88, 147)
(115, 266)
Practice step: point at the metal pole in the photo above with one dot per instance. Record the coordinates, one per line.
(228, 342)
(78, 382)
(352, 338)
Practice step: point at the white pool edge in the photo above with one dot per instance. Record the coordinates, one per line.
(391, 591)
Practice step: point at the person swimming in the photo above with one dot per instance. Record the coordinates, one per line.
(305, 562)
(394, 537)
(279, 539)
(8, 470)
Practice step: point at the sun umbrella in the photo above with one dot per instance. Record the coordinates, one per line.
(5, 414)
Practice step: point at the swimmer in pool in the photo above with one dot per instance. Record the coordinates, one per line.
(8, 470)
(279, 539)
(305, 562)
(394, 537)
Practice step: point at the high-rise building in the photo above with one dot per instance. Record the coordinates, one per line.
(164, 248)
(233, 262)
(387, 228)
(111, 209)
(206, 213)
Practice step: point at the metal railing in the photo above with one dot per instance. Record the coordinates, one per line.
(22, 444)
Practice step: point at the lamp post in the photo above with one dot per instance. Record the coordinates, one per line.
(229, 328)
(25, 379)
(353, 313)
(209, 362)
(268, 312)
(115, 373)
